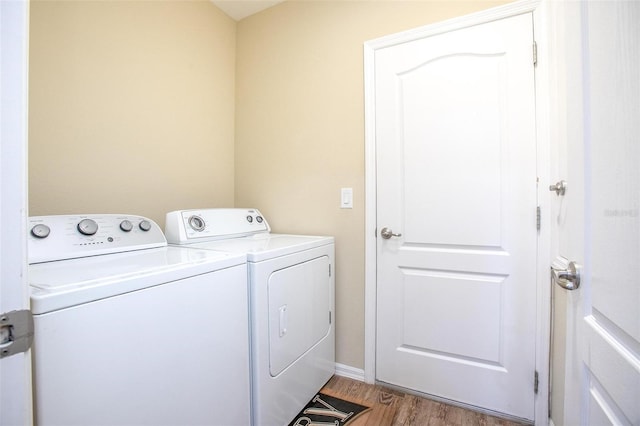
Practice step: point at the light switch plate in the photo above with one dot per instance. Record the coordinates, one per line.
(346, 198)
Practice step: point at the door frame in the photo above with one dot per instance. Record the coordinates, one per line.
(15, 380)
(542, 18)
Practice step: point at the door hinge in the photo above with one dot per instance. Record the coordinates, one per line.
(535, 53)
(538, 218)
(16, 332)
(535, 382)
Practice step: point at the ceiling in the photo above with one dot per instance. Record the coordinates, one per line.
(240, 9)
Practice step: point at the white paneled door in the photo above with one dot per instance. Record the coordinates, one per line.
(599, 216)
(457, 185)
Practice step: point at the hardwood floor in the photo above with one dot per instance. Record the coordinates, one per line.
(390, 407)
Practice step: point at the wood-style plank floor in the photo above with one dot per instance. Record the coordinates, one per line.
(390, 407)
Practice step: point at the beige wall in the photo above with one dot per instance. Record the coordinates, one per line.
(131, 107)
(132, 110)
(300, 126)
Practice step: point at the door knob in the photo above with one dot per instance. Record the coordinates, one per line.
(560, 188)
(569, 278)
(387, 233)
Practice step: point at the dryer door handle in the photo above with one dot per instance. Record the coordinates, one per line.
(283, 320)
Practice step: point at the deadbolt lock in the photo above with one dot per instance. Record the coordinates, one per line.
(559, 188)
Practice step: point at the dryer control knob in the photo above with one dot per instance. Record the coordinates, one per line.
(87, 227)
(197, 223)
(145, 225)
(40, 231)
(126, 225)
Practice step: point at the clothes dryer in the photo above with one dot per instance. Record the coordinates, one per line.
(292, 286)
(129, 331)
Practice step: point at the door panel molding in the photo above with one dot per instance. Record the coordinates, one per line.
(542, 18)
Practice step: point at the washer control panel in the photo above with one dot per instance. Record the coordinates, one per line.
(61, 237)
(191, 226)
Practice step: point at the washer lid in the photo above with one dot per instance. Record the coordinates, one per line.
(261, 247)
(57, 285)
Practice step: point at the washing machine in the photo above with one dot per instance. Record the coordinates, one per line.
(130, 331)
(292, 286)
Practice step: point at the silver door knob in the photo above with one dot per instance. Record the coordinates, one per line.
(569, 278)
(559, 188)
(387, 233)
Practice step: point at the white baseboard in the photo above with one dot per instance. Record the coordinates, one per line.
(350, 372)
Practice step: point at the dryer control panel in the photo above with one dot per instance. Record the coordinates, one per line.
(194, 226)
(71, 236)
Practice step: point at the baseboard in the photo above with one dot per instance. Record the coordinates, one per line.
(350, 372)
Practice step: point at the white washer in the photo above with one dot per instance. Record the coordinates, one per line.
(292, 287)
(129, 331)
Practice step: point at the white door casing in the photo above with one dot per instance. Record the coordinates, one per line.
(441, 275)
(598, 219)
(15, 390)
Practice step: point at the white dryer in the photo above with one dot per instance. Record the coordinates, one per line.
(292, 288)
(130, 331)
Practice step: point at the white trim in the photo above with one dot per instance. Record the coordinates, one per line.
(541, 16)
(542, 36)
(370, 217)
(15, 370)
(349, 372)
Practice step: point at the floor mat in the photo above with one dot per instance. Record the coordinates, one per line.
(328, 410)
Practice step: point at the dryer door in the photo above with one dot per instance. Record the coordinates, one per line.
(299, 311)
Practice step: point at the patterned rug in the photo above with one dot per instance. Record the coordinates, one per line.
(325, 410)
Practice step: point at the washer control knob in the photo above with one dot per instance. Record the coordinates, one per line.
(40, 231)
(145, 225)
(197, 223)
(126, 225)
(259, 219)
(249, 218)
(87, 227)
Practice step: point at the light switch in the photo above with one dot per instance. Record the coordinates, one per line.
(346, 198)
